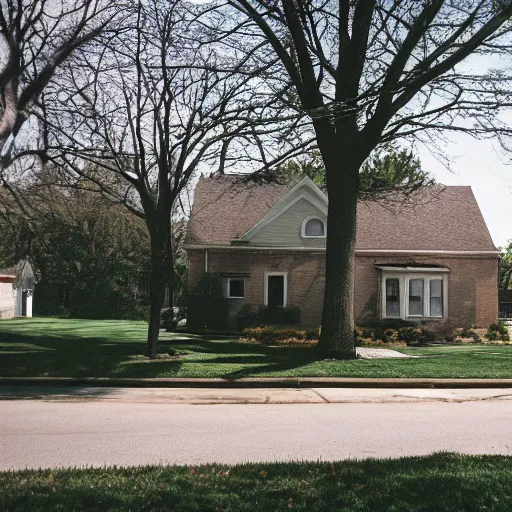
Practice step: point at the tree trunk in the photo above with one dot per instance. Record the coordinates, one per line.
(169, 324)
(159, 232)
(342, 173)
(156, 299)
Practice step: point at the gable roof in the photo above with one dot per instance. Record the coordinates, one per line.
(441, 218)
(305, 189)
(225, 207)
(21, 274)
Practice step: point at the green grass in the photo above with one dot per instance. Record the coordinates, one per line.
(439, 483)
(85, 348)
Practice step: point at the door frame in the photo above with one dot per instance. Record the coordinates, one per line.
(285, 287)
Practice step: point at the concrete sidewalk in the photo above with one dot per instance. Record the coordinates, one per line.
(260, 382)
(248, 396)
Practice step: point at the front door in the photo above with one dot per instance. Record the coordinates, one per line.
(24, 303)
(275, 289)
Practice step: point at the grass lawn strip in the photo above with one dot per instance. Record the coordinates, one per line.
(441, 482)
(50, 347)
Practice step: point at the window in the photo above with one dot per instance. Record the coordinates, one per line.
(276, 289)
(236, 288)
(393, 297)
(436, 297)
(313, 227)
(414, 295)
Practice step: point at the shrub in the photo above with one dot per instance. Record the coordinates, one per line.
(280, 335)
(246, 317)
(390, 336)
(497, 332)
(207, 307)
(277, 315)
(411, 335)
(466, 332)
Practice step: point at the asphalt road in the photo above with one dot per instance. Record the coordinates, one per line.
(36, 433)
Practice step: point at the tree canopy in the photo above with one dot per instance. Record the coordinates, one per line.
(388, 175)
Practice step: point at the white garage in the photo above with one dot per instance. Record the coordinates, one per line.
(16, 290)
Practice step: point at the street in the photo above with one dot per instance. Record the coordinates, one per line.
(96, 432)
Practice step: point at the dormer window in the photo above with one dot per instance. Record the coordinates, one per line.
(313, 227)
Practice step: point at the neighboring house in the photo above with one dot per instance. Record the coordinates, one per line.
(16, 290)
(433, 263)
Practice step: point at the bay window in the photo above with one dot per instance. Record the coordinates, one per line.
(414, 293)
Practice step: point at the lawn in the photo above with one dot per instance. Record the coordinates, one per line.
(86, 348)
(438, 483)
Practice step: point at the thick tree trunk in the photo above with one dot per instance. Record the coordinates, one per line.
(160, 235)
(170, 324)
(342, 163)
(156, 298)
(337, 337)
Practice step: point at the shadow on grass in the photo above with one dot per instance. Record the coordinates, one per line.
(64, 355)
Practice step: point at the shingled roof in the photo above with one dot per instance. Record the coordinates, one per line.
(225, 207)
(441, 218)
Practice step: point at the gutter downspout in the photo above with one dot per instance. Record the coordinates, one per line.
(206, 260)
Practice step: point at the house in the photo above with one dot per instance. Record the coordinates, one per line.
(432, 262)
(16, 290)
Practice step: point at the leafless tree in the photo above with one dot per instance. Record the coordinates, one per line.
(140, 115)
(36, 38)
(367, 72)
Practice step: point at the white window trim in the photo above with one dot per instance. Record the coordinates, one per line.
(404, 279)
(285, 287)
(303, 227)
(228, 280)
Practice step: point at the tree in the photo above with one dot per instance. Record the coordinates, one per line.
(368, 72)
(143, 112)
(381, 176)
(36, 38)
(88, 251)
(505, 273)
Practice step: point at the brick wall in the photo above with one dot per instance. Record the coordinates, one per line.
(472, 282)
(305, 276)
(6, 301)
(472, 287)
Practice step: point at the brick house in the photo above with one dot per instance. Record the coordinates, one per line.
(433, 262)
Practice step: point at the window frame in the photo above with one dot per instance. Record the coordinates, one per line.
(285, 286)
(228, 287)
(404, 279)
(303, 227)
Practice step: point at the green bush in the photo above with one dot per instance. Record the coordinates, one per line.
(246, 317)
(497, 332)
(411, 335)
(280, 335)
(207, 307)
(277, 315)
(382, 334)
(466, 332)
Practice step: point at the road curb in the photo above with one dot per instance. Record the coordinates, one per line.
(276, 382)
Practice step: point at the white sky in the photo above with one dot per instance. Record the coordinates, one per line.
(487, 171)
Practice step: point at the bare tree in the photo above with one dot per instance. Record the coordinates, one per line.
(367, 72)
(36, 38)
(140, 115)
